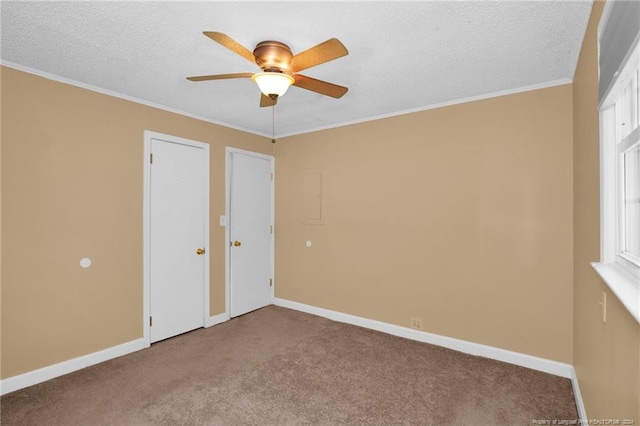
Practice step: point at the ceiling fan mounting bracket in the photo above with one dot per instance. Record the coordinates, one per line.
(273, 56)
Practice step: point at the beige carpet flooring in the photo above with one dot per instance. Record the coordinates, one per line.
(276, 366)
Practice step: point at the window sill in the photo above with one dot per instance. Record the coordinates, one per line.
(623, 284)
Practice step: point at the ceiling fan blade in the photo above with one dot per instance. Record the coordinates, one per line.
(220, 76)
(231, 44)
(324, 52)
(266, 101)
(319, 86)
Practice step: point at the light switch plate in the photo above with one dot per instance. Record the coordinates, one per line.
(223, 220)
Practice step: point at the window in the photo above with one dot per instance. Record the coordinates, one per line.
(620, 182)
(630, 242)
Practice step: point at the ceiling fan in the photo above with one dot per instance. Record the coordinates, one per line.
(280, 67)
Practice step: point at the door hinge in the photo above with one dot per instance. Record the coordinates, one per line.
(270, 282)
(151, 158)
(271, 175)
(150, 321)
(271, 229)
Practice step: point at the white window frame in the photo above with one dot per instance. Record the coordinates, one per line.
(619, 270)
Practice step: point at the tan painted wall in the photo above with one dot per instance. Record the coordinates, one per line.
(606, 355)
(72, 174)
(461, 216)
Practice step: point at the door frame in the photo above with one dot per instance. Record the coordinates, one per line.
(146, 227)
(227, 253)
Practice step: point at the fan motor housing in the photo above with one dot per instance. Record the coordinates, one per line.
(273, 56)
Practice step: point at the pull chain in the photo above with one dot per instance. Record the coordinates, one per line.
(273, 123)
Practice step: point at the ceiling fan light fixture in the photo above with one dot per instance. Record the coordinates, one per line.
(273, 83)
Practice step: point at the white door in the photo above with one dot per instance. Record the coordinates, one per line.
(178, 215)
(250, 231)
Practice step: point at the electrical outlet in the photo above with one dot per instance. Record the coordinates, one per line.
(416, 323)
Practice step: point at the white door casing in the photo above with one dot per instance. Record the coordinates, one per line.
(250, 205)
(176, 224)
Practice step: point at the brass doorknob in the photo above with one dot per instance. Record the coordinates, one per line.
(200, 251)
(237, 243)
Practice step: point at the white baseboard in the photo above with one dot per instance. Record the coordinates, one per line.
(582, 413)
(216, 319)
(40, 375)
(535, 363)
(541, 364)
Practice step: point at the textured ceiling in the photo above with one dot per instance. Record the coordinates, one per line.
(403, 56)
